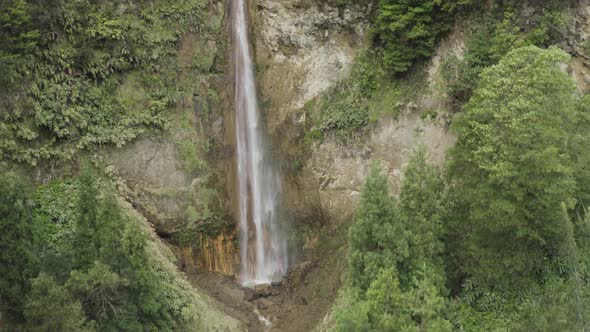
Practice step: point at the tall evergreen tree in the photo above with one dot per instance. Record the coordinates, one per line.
(407, 29)
(51, 307)
(85, 242)
(376, 236)
(512, 169)
(397, 270)
(18, 242)
(421, 206)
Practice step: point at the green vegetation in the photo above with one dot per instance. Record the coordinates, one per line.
(397, 279)
(363, 98)
(519, 220)
(493, 33)
(79, 74)
(86, 267)
(407, 30)
(403, 32)
(18, 262)
(500, 241)
(514, 186)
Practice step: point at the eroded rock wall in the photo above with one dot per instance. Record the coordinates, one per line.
(303, 49)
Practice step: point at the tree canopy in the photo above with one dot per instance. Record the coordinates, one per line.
(513, 166)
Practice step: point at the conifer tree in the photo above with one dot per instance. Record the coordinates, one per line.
(18, 242)
(421, 206)
(85, 242)
(376, 236)
(51, 307)
(407, 30)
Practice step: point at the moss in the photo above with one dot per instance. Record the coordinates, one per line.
(189, 156)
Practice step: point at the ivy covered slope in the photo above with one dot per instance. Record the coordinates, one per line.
(84, 78)
(64, 65)
(88, 78)
(75, 259)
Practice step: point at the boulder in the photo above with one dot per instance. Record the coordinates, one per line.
(250, 295)
(263, 289)
(264, 303)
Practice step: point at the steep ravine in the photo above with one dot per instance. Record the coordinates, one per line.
(302, 49)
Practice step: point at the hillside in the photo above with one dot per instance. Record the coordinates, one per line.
(430, 161)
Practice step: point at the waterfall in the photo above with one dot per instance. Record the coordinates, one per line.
(263, 246)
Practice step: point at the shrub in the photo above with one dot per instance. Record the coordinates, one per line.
(407, 30)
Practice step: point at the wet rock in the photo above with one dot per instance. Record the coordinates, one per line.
(276, 283)
(264, 303)
(250, 295)
(275, 292)
(263, 289)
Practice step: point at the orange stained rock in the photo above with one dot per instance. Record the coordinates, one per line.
(217, 253)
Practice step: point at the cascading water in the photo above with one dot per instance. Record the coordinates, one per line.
(263, 247)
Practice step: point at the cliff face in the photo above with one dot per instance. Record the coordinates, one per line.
(303, 49)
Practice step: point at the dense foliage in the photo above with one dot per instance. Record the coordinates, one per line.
(408, 30)
(77, 74)
(514, 184)
(75, 261)
(18, 263)
(493, 33)
(510, 211)
(519, 219)
(396, 255)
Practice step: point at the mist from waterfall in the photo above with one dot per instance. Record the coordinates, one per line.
(263, 246)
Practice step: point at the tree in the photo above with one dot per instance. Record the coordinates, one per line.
(18, 242)
(51, 307)
(421, 206)
(376, 239)
(17, 38)
(110, 232)
(512, 169)
(85, 239)
(396, 254)
(417, 309)
(102, 291)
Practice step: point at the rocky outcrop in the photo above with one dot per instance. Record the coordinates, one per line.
(155, 181)
(340, 169)
(263, 290)
(302, 48)
(176, 173)
(305, 47)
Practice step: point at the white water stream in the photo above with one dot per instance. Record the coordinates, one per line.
(263, 246)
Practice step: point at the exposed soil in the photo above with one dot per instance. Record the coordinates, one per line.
(299, 303)
(227, 291)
